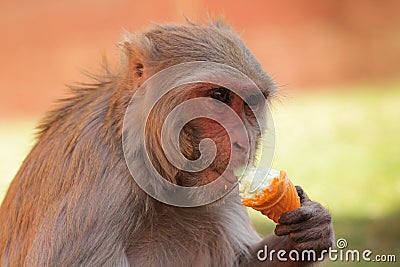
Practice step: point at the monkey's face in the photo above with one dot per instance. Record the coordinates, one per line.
(200, 96)
(233, 130)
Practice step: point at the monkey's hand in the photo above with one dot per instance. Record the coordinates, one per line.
(308, 227)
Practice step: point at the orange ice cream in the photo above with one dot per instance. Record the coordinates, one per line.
(268, 191)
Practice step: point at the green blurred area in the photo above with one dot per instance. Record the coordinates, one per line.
(16, 140)
(342, 146)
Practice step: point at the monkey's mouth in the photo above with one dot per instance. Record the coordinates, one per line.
(228, 176)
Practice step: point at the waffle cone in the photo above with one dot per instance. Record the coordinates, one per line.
(282, 198)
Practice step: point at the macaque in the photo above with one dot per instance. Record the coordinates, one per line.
(74, 201)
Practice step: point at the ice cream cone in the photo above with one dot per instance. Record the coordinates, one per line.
(280, 197)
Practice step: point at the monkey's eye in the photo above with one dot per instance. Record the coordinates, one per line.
(252, 100)
(221, 94)
(252, 104)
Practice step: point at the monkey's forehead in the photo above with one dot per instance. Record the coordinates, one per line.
(162, 46)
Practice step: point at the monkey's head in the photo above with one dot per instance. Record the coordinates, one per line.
(199, 103)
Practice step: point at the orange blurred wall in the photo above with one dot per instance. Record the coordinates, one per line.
(303, 44)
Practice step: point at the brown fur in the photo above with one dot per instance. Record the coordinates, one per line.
(74, 202)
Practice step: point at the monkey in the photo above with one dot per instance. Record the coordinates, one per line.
(74, 201)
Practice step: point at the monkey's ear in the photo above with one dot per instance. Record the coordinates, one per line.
(133, 66)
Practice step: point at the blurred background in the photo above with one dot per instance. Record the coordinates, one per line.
(337, 64)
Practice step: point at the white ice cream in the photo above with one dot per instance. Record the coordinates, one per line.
(254, 181)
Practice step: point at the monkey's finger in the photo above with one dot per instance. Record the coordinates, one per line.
(296, 216)
(303, 196)
(322, 220)
(311, 234)
(286, 229)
